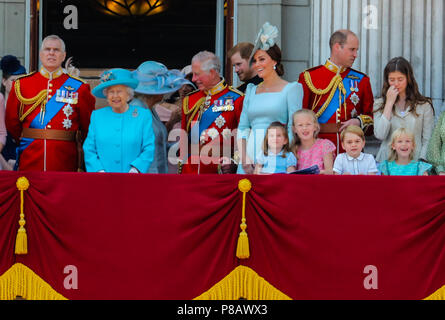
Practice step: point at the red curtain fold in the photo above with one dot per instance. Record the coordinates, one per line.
(314, 236)
(174, 237)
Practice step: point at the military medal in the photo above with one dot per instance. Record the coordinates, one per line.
(205, 106)
(220, 121)
(68, 110)
(67, 123)
(354, 89)
(213, 133)
(223, 105)
(65, 96)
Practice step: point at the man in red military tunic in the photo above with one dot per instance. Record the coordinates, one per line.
(210, 116)
(338, 94)
(45, 110)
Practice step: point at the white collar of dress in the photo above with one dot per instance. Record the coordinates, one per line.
(360, 157)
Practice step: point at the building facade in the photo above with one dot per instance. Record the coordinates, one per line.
(413, 29)
(13, 26)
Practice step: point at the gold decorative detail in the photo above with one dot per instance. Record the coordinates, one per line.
(21, 281)
(244, 283)
(336, 83)
(191, 111)
(333, 67)
(132, 8)
(21, 243)
(242, 248)
(438, 295)
(38, 100)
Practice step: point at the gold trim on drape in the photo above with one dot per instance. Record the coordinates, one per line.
(21, 281)
(438, 295)
(244, 283)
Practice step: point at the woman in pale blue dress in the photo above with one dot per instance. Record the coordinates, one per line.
(272, 100)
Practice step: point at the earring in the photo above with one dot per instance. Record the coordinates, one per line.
(275, 67)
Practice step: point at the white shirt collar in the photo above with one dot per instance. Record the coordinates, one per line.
(359, 158)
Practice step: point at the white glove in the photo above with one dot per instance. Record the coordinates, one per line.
(133, 170)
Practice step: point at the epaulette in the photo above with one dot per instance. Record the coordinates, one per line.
(25, 75)
(364, 74)
(236, 91)
(83, 81)
(313, 68)
(190, 93)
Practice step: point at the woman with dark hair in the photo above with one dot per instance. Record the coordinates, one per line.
(402, 106)
(11, 70)
(272, 100)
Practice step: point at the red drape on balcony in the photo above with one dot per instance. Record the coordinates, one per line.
(175, 237)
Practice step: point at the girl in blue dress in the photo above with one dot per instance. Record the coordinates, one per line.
(400, 161)
(277, 156)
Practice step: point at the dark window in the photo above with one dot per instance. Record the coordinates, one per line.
(119, 37)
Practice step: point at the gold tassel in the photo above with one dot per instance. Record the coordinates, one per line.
(242, 249)
(21, 243)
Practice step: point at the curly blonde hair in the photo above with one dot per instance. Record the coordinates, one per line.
(397, 134)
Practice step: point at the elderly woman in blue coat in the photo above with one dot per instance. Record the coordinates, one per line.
(120, 137)
(155, 81)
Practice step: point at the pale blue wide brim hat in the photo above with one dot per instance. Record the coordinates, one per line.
(114, 77)
(154, 78)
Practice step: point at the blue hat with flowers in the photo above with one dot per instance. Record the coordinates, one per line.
(155, 78)
(114, 77)
(265, 38)
(10, 65)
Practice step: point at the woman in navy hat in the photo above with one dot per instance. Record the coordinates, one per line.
(11, 70)
(120, 137)
(155, 80)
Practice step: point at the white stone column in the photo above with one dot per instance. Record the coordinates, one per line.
(413, 29)
(12, 28)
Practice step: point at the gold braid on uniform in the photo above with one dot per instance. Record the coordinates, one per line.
(38, 100)
(192, 111)
(336, 82)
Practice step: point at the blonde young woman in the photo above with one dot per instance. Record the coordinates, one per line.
(272, 100)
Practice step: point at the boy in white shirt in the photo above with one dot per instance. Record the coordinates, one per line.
(354, 161)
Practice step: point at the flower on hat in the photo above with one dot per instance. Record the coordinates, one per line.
(107, 76)
(266, 37)
(155, 78)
